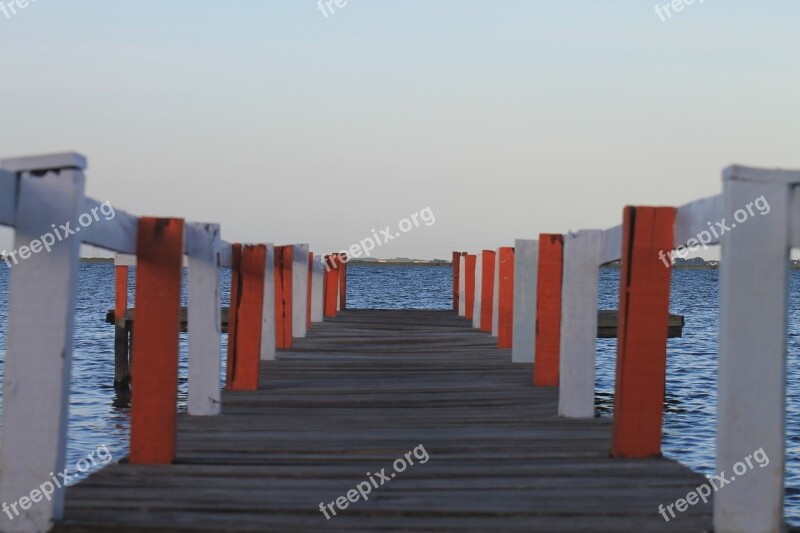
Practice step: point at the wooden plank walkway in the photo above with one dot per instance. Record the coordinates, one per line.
(360, 392)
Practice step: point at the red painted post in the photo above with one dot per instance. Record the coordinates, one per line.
(310, 287)
(331, 284)
(342, 281)
(120, 291)
(548, 310)
(244, 342)
(159, 268)
(283, 296)
(642, 332)
(487, 289)
(122, 373)
(505, 298)
(469, 283)
(456, 278)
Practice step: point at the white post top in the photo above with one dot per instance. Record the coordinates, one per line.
(739, 172)
(38, 163)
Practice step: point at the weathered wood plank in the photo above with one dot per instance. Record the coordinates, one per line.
(355, 395)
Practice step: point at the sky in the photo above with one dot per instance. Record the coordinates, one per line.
(506, 119)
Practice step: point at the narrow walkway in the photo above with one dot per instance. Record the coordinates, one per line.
(362, 391)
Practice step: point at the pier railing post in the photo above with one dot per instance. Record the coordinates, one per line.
(233, 309)
(38, 360)
(476, 305)
(318, 290)
(331, 285)
(505, 297)
(343, 259)
(456, 279)
(462, 285)
(268, 309)
(754, 288)
(122, 369)
(582, 251)
(283, 296)
(526, 253)
(159, 268)
(203, 321)
(496, 295)
(310, 290)
(548, 309)
(488, 264)
(299, 290)
(244, 343)
(469, 285)
(643, 320)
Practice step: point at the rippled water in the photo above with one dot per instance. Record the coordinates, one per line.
(98, 416)
(399, 287)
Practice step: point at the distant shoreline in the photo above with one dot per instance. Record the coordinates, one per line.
(357, 262)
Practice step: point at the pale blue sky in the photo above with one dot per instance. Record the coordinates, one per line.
(507, 118)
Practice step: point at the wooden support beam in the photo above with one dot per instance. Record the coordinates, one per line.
(268, 341)
(343, 259)
(244, 345)
(456, 263)
(205, 336)
(526, 253)
(318, 290)
(299, 290)
(331, 285)
(283, 297)
(753, 302)
(642, 332)
(159, 269)
(310, 291)
(476, 306)
(462, 285)
(469, 285)
(122, 369)
(579, 323)
(38, 360)
(548, 309)
(505, 297)
(488, 259)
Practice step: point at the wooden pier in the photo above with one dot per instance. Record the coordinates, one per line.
(355, 395)
(500, 391)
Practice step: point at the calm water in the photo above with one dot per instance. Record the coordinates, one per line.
(98, 416)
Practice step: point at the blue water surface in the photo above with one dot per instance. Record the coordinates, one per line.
(98, 415)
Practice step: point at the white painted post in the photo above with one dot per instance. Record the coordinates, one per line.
(205, 360)
(317, 290)
(526, 267)
(462, 286)
(476, 309)
(496, 295)
(582, 257)
(268, 309)
(8, 197)
(38, 361)
(754, 274)
(299, 290)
